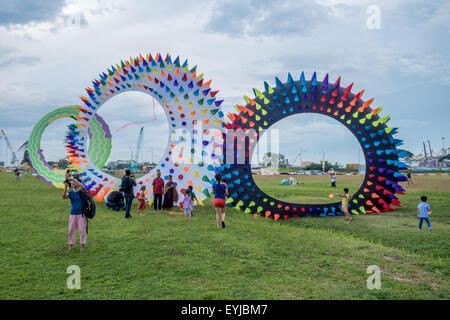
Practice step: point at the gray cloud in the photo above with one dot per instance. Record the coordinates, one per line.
(25, 11)
(403, 65)
(12, 60)
(265, 18)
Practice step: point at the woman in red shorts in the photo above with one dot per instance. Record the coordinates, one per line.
(220, 192)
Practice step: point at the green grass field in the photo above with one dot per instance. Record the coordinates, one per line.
(158, 256)
(311, 189)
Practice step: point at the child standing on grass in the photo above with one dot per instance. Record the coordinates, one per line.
(346, 197)
(76, 218)
(220, 191)
(188, 204)
(333, 180)
(142, 199)
(17, 173)
(423, 210)
(193, 197)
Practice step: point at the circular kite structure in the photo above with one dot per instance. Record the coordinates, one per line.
(99, 143)
(193, 112)
(377, 192)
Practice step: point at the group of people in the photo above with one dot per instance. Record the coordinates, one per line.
(74, 188)
(124, 197)
(170, 193)
(165, 195)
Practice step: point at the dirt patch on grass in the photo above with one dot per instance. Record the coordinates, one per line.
(419, 277)
(436, 183)
(398, 278)
(177, 253)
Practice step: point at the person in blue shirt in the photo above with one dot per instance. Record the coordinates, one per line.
(220, 190)
(76, 218)
(423, 211)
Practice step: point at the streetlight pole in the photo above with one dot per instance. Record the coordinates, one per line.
(443, 146)
(443, 151)
(323, 160)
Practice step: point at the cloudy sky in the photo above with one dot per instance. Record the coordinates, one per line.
(51, 50)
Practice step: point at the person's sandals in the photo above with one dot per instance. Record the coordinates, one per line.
(223, 224)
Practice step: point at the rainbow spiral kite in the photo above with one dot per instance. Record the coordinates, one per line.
(99, 148)
(376, 194)
(190, 105)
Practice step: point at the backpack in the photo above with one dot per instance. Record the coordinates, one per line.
(115, 196)
(127, 185)
(88, 205)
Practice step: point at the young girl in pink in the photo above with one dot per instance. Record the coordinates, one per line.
(142, 199)
(76, 218)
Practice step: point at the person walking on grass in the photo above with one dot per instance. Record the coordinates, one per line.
(191, 193)
(423, 212)
(158, 186)
(346, 197)
(127, 189)
(220, 191)
(17, 173)
(188, 204)
(333, 180)
(142, 200)
(76, 218)
(409, 175)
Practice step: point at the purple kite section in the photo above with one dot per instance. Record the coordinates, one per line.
(105, 127)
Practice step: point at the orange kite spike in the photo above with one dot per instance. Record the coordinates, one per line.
(365, 105)
(207, 83)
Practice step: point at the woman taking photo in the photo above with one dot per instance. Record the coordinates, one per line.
(76, 218)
